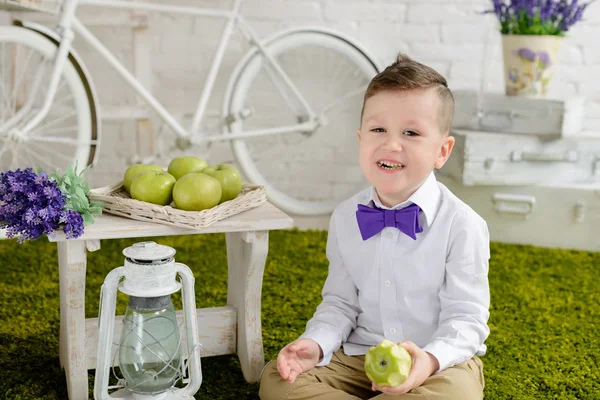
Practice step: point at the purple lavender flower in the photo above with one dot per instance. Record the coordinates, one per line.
(544, 59)
(526, 53)
(73, 224)
(31, 205)
(537, 17)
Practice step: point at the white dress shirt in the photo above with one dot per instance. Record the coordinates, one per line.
(433, 291)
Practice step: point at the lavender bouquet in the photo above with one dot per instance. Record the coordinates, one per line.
(33, 204)
(537, 17)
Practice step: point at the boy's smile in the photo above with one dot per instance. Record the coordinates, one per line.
(401, 142)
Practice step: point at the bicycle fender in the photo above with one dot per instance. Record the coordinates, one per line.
(54, 37)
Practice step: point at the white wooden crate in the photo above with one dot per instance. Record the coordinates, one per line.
(559, 216)
(494, 112)
(482, 158)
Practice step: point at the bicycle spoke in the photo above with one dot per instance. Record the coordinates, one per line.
(55, 140)
(19, 78)
(57, 120)
(279, 86)
(63, 101)
(6, 101)
(4, 148)
(44, 133)
(35, 154)
(31, 162)
(41, 158)
(342, 99)
(64, 157)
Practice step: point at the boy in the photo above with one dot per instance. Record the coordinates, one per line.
(416, 276)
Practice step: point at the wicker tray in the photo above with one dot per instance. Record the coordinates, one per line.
(118, 202)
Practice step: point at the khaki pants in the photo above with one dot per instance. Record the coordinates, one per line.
(344, 378)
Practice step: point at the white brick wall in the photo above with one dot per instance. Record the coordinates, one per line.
(450, 35)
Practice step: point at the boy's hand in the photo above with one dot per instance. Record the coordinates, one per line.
(423, 366)
(298, 357)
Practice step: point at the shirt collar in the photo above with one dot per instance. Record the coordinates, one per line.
(427, 197)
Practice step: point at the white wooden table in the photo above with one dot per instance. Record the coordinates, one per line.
(234, 328)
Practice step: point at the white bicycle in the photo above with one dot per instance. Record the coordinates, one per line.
(291, 105)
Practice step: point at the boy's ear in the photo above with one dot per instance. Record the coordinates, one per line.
(445, 152)
(358, 134)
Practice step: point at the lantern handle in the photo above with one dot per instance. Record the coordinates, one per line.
(106, 318)
(188, 298)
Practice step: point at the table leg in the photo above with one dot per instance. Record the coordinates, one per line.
(246, 256)
(72, 265)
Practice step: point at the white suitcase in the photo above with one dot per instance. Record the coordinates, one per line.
(483, 158)
(562, 216)
(495, 112)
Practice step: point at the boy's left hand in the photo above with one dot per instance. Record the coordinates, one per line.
(423, 366)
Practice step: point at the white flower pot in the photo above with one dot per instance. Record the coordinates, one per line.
(528, 63)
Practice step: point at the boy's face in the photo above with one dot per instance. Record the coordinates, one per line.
(401, 142)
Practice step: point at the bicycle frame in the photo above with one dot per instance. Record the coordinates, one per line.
(69, 24)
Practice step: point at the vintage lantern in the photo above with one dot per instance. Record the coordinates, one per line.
(150, 354)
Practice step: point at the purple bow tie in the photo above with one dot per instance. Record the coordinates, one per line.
(372, 220)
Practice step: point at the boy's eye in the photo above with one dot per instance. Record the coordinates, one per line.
(410, 133)
(377, 130)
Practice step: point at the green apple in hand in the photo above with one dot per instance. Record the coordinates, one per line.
(153, 187)
(179, 166)
(196, 191)
(135, 169)
(387, 364)
(229, 177)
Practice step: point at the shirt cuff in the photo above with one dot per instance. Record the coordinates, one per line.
(445, 354)
(329, 342)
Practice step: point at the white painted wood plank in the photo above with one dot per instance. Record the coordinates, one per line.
(246, 255)
(72, 267)
(106, 226)
(216, 325)
(142, 69)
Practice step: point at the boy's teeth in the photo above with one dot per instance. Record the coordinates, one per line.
(388, 165)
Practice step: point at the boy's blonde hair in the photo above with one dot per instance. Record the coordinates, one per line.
(407, 74)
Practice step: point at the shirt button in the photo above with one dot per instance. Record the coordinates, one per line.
(388, 283)
(389, 235)
(393, 330)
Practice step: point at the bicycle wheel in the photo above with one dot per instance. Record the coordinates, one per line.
(68, 133)
(305, 173)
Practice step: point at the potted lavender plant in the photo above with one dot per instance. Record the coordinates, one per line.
(532, 34)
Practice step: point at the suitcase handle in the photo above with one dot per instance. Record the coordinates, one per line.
(506, 119)
(513, 203)
(569, 156)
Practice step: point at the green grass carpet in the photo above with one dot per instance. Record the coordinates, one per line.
(545, 316)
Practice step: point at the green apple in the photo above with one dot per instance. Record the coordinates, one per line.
(229, 178)
(153, 187)
(135, 169)
(387, 364)
(179, 166)
(196, 191)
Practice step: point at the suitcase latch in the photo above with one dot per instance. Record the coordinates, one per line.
(513, 203)
(579, 212)
(596, 167)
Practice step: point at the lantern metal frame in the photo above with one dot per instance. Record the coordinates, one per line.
(150, 280)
